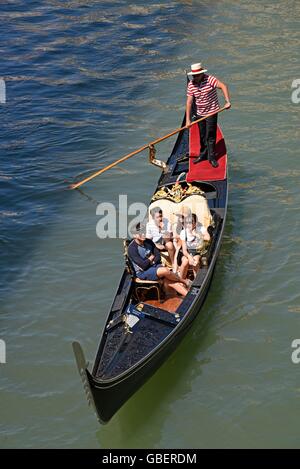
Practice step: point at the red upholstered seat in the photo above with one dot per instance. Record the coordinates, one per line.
(204, 171)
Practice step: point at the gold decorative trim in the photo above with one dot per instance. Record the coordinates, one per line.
(177, 193)
(161, 164)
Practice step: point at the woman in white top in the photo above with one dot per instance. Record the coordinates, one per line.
(193, 237)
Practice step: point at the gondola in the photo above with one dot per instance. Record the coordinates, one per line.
(142, 328)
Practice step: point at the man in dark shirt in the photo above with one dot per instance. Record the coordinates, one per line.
(146, 261)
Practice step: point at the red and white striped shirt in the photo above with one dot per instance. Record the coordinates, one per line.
(205, 93)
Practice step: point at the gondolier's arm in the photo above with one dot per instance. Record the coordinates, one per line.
(188, 110)
(222, 86)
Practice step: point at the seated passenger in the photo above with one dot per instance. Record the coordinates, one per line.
(146, 261)
(192, 237)
(159, 231)
(177, 228)
(179, 224)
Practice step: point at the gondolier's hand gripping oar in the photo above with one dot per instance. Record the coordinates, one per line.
(139, 150)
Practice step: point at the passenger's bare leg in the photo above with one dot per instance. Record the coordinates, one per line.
(197, 266)
(179, 288)
(164, 272)
(166, 286)
(183, 269)
(175, 263)
(171, 250)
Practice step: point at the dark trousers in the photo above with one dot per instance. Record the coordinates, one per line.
(208, 136)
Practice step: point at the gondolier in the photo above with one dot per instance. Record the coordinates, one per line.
(203, 88)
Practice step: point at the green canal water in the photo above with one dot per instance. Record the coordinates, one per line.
(85, 85)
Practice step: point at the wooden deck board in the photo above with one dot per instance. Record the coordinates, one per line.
(169, 304)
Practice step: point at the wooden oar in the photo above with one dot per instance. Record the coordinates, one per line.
(139, 150)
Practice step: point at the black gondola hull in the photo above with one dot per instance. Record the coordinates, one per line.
(109, 397)
(107, 394)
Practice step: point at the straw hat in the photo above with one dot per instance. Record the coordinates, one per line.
(196, 69)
